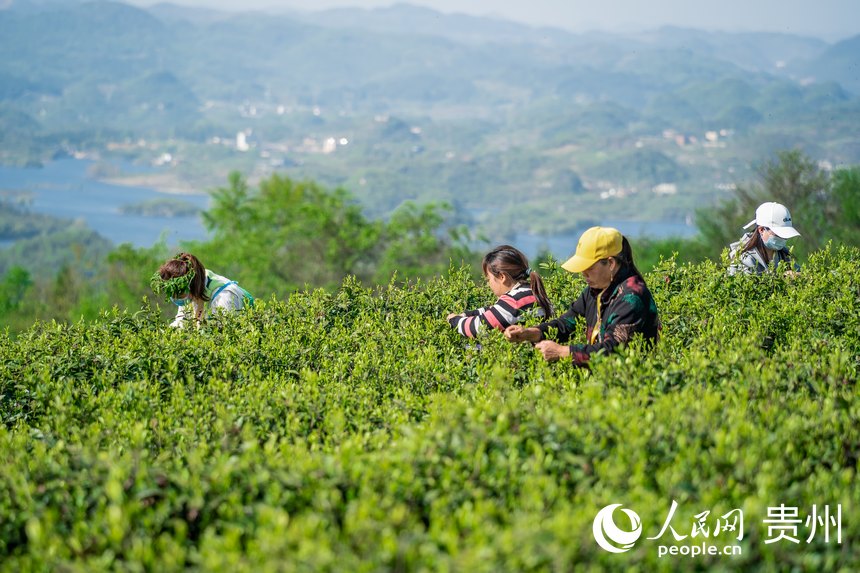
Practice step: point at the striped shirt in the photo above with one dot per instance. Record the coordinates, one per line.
(501, 315)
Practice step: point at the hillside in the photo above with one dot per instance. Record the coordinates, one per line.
(356, 431)
(404, 103)
(839, 63)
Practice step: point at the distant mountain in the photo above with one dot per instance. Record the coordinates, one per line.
(176, 13)
(93, 41)
(759, 51)
(770, 52)
(428, 106)
(641, 167)
(408, 19)
(36, 5)
(93, 64)
(839, 63)
(372, 59)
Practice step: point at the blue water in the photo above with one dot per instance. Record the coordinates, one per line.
(62, 188)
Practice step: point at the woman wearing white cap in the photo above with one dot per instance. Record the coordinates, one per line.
(765, 246)
(616, 304)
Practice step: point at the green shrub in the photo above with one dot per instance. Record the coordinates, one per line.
(354, 430)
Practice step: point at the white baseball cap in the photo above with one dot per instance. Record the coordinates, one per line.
(775, 217)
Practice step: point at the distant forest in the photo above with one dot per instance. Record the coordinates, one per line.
(505, 122)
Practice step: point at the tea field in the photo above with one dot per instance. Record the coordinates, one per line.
(355, 431)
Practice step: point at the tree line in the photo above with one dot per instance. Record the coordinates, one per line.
(286, 235)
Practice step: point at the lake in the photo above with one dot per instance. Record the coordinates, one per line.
(63, 188)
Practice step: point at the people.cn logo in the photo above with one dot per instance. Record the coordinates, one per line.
(609, 536)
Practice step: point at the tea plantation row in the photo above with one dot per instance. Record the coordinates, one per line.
(355, 431)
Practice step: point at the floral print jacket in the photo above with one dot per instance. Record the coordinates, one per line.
(612, 317)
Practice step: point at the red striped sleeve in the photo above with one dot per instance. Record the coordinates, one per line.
(525, 301)
(493, 320)
(468, 326)
(505, 312)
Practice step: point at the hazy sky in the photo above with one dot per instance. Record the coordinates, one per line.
(829, 19)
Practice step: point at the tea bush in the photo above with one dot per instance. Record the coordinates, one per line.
(355, 431)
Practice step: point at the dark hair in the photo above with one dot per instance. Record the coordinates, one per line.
(512, 262)
(625, 258)
(179, 266)
(757, 243)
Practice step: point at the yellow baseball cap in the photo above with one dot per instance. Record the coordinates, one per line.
(595, 244)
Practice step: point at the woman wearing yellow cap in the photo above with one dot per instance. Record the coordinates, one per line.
(616, 303)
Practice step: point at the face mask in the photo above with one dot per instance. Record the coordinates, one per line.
(775, 243)
(180, 301)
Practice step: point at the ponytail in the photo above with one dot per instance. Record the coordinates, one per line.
(625, 258)
(536, 284)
